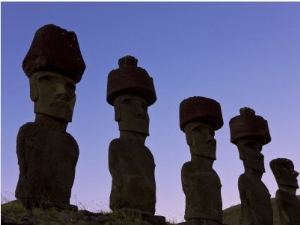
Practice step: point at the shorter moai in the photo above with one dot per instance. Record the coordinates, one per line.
(287, 202)
(199, 118)
(47, 154)
(249, 132)
(131, 91)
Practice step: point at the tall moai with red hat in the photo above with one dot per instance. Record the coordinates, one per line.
(249, 132)
(199, 118)
(131, 91)
(287, 202)
(47, 154)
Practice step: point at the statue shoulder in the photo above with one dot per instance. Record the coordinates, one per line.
(187, 168)
(242, 180)
(26, 130)
(117, 147)
(27, 127)
(116, 143)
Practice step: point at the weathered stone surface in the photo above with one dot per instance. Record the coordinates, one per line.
(57, 50)
(247, 125)
(130, 79)
(250, 132)
(199, 118)
(200, 109)
(202, 188)
(47, 154)
(53, 94)
(255, 201)
(47, 161)
(131, 164)
(287, 201)
(132, 169)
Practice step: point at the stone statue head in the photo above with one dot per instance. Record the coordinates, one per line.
(131, 91)
(284, 173)
(249, 132)
(130, 79)
(53, 94)
(54, 65)
(199, 118)
(200, 136)
(250, 153)
(249, 126)
(131, 112)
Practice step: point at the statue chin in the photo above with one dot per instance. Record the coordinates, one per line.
(208, 153)
(292, 183)
(61, 112)
(136, 129)
(255, 165)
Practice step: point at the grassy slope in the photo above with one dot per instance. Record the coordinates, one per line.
(13, 213)
(231, 215)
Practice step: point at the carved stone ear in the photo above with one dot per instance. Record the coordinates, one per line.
(34, 95)
(117, 113)
(189, 141)
(242, 155)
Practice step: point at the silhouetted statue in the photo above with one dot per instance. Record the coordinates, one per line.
(131, 91)
(200, 117)
(250, 132)
(47, 154)
(287, 201)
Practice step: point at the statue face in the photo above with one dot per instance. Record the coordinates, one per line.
(200, 137)
(287, 176)
(55, 95)
(132, 114)
(250, 153)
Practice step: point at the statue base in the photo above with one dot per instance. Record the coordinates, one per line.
(153, 219)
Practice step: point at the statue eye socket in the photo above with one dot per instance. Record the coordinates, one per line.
(145, 106)
(197, 129)
(249, 144)
(44, 79)
(126, 101)
(70, 88)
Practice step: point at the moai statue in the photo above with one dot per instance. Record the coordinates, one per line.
(131, 91)
(249, 132)
(200, 117)
(47, 154)
(287, 201)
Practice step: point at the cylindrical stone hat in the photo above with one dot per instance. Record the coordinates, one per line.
(200, 109)
(249, 126)
(130, 79)
(57, 50)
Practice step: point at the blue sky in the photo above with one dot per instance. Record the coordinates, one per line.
(238, 53)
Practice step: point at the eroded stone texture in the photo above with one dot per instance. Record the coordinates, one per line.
(200, 117)
(47, 154)
(130, 90)
(57, 50)
(249, 133)
(287, 201)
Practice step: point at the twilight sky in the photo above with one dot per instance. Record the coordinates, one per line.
(240, 54)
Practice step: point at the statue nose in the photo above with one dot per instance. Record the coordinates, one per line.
(211, 141)
(61, 92)
(141, 114)
(296, 174)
